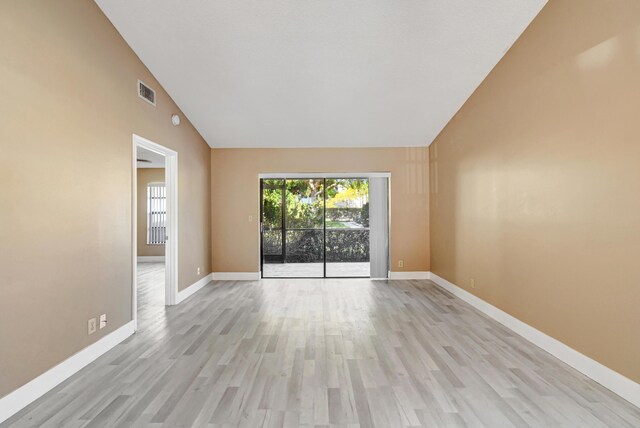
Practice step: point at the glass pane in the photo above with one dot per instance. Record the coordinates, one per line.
(272, 245)
(304, 225)
(305, 204)
(272, 204)
(302, 254)
(347, 237)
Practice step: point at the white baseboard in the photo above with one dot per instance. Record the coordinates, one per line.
(196, 286)
(612, 380)
(15, 401)
(236, 276)
(409, 275)
(150, 259)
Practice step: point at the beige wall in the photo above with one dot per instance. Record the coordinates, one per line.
(146, 176)
(235, 186)
(67, 114)
(536, 182)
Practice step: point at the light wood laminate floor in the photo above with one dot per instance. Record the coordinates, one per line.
(334, 352)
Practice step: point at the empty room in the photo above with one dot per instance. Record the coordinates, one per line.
(320, 213)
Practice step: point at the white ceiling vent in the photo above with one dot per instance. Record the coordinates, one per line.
(146, 93)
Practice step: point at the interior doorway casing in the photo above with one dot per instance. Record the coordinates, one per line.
(171, 245)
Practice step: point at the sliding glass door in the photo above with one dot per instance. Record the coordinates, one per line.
(347, 227)
(315, 228)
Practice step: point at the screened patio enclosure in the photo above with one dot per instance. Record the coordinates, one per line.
(319, 227)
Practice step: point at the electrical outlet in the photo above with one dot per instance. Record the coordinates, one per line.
(198, 271)
(103, 321)
(250, 218)
(472, 283)
(400, 263)
(91, 325)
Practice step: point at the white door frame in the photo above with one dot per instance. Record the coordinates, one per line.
(171, 247)
(303, 175)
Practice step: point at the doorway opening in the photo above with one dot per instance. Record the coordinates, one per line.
(155, 233)
(321, 227)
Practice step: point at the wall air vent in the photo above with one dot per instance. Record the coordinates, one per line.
(146, 93)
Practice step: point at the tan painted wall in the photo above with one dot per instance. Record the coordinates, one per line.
(146, 176)
(235, 186)
(236, 196)
(67, 114)
(536, 182)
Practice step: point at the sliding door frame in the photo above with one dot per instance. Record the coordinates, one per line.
(324, 177)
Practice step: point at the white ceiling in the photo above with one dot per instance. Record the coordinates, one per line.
(155, 160)
(320, 73)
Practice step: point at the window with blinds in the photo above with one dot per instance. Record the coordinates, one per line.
(156, 214)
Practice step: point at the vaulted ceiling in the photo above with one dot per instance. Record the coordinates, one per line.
(320, 73)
